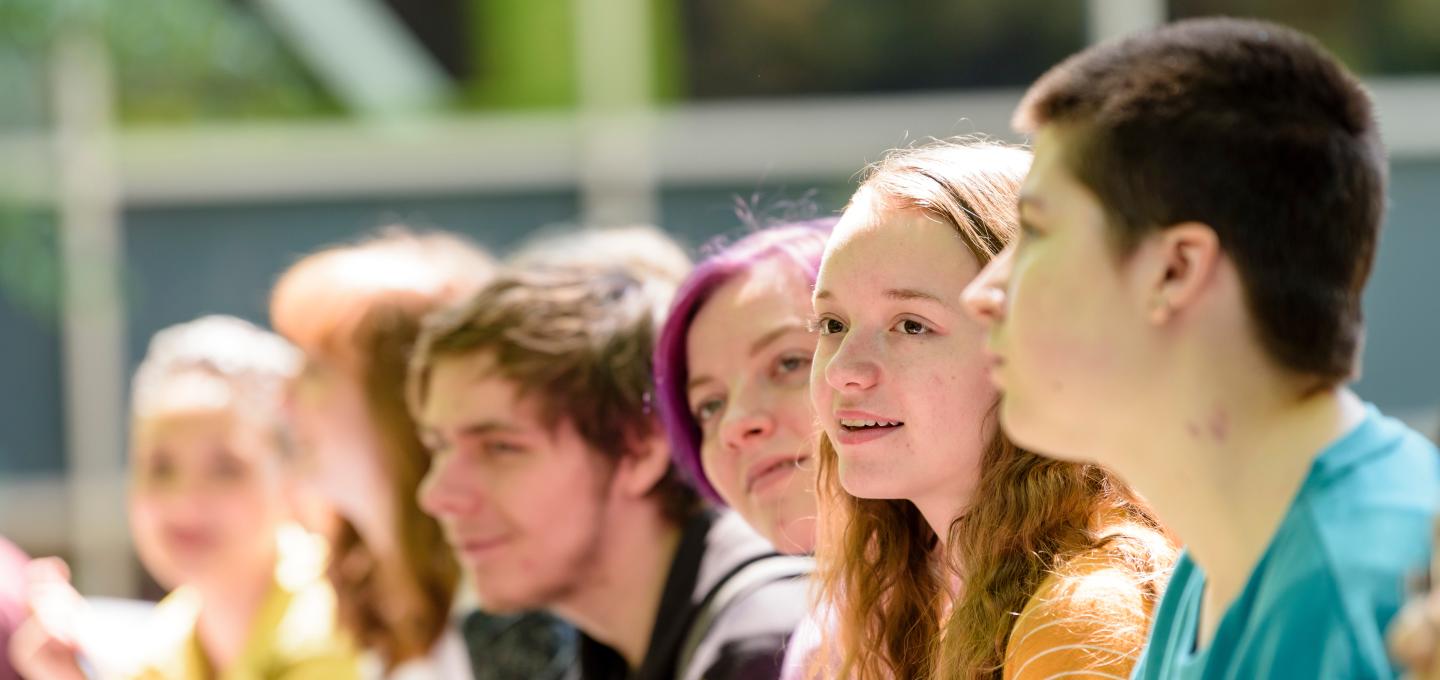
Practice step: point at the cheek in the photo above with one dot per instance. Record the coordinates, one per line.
(245, 511)
(146, 518)
(953, 392)
(795, 411)
(819, 389)
(721, 470)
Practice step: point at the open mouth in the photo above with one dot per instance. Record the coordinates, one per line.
(850, 425)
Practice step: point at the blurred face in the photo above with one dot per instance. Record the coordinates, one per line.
(338, 451)
(205, 498)
(899, 380)
(1068, 363)
(523, 506)
(749, 351)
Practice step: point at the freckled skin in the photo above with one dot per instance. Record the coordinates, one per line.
(917, 361)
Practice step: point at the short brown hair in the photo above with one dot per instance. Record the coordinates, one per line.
(577, 339)
(1253, 129)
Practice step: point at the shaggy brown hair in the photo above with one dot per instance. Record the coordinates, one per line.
(577, 339)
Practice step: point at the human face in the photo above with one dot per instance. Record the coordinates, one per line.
(749, 351)
(205, 498)
(899, 380)
(524, 506)
(1064, 335)
(337, 448)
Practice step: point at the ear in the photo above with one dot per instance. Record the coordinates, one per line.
(1184, 259)
(643, 466)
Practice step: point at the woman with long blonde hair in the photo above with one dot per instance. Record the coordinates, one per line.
(945, 551)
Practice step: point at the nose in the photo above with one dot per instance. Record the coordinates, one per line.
(746, 423)
(853, 367)
(446, 490)
(985, 298)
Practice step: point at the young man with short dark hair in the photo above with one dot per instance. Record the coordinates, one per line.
(1184, 306)
(553, 483)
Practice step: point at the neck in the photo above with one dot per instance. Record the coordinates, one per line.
(1238, 443)
(227, 614)
(620, 599)
(941, 505)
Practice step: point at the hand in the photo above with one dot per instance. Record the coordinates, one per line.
(44, 647)
(1415, 637)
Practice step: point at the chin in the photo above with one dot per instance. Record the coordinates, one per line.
(860, 482)
(506, 602)
(1035, 434)
(794, 536)
(505, 595)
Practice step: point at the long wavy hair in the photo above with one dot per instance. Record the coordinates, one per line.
(359, 306)
(881, 577)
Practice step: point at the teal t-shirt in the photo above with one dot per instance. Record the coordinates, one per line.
(1318, 602)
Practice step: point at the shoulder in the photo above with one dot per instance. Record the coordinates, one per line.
(743, 630)
(1335, 606)
(1342, 558)
(303, 635)
(1088, 620)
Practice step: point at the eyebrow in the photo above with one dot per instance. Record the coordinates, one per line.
(774, 334)
(756, 347)
(908, 294)
(487, 427)
(901, 294)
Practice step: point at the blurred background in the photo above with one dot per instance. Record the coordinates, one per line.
(164, 159)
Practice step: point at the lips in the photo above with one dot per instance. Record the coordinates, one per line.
(766, 473)
(478, 548)
(189, 539)
(859, 427)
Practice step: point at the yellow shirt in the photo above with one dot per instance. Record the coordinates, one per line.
(294, 636)
(1089, 625)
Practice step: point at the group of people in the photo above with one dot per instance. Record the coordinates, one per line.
(1074, 410)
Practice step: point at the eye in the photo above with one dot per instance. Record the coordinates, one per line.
(911, 327)
(1027, 232)
(227, 467)
(792, 363)
(707, 409)
(160, 469)
(829, 326)
(499, 447)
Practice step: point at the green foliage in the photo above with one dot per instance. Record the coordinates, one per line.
(175, 61)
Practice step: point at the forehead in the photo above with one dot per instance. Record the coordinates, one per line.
(876, 247)
(772, 285)
(179, 428)
(754, 302)
(468, 388)
(1050, 181)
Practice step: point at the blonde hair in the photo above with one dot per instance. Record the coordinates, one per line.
(231, 363)
(878, 570)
